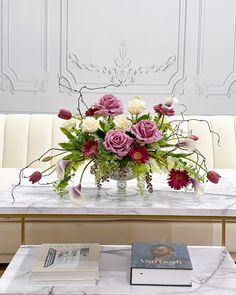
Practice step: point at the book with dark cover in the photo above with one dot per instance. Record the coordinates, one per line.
(160, 264)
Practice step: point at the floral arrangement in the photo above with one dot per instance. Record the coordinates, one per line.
(107, 140)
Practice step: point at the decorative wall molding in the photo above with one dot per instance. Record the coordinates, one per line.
(9, 80)
(202, 85)
(123, 71)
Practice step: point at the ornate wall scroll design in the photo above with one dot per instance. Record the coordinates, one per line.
(9, 79)
(123, 71)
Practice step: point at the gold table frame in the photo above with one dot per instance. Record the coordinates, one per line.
(113, 217)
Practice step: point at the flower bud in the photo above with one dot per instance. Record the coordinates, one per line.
(75, 193)
(47, 159)
(35, 177)
(64, 114)
(213, 176)
(193, 137)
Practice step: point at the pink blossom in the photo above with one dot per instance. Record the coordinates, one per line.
(187, 143)
(61, 168)
(213, 176)
(118, 142)
(109, 105)
(35, 177)
(146, 131)
(193, 137)
(197, 186)
(75, 193)
(64, 114)
(91, 148)
(162, 109)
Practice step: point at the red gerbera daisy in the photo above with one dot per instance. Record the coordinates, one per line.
(91, 148)
(178, 179)
(139, 154)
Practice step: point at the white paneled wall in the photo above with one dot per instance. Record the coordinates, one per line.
(154, 48)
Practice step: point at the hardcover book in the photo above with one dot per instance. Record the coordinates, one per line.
(160, 264)
(67, 263)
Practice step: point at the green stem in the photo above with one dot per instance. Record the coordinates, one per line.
(196, 163)
(82, 174)
(48, 169)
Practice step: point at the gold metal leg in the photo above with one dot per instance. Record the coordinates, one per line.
(22, 231)
(223, 232)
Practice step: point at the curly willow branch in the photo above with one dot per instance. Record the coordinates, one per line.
(27, 166)
(81, 98)
(198, 120)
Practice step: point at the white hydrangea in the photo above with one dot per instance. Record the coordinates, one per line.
(136, 106)
(121, 122)
(90, 124)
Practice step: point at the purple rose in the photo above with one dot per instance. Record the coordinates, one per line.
(146, 131)
(109, 105)
(118, 142)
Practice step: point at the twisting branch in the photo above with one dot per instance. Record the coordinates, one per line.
(27, 166)
(81, 98)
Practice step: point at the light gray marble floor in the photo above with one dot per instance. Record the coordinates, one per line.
(214, 273)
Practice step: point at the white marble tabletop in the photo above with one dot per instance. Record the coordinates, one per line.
(214, 273)
(218, 200)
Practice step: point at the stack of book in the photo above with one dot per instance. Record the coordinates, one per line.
(63, 264)
(163, 264)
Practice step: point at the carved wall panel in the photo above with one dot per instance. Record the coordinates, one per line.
(92, 54)
(24, 46)
(216, 50)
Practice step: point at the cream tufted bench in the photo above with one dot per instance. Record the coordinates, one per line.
(24, 138)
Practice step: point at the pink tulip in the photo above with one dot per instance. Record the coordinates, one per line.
(65, 114)
(213, 176)
(35, 177)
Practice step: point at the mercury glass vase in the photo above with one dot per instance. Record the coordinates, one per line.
(121, 175)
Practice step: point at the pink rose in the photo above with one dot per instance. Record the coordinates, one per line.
(109, 105)
(118, 142)
(146, 131)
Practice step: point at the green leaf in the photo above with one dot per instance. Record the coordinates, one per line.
(67, 145)
(144, 117)
(68, 134)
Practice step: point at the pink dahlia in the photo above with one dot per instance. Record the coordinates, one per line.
(139, 154)
(91, 148)
(178, 179)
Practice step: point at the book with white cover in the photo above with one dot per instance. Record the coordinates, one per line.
(67, 262)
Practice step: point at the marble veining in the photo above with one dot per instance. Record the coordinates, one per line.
(218, 200)
(214, 273)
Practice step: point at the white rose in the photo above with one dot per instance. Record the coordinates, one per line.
(121, 122)
(90, 124)
(68, 124)
(136, 106)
